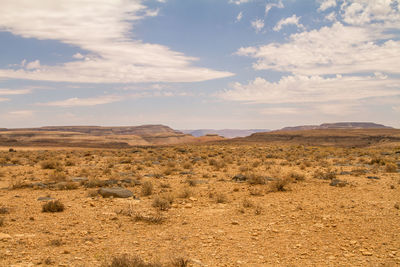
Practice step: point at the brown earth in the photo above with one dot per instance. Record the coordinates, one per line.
(283, 213)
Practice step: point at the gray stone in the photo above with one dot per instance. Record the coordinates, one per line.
(111, 182)
(79, 179)
(39, 185)
(337, 182)
(239, 178)
(186, 173)
(117, 192)
(127, 180)
(373, 177)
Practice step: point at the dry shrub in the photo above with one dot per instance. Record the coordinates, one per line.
(247, 203)
(180, 262)
(165, 185)
(92, 183)
(279, 185)
(256, 191)
(51, 165)
(70, 163)
(296, 176)
(56, 242)
(17, 183)
(191, 182)
(151, 219)
(4, 210)
(378, 161)
(162, 203)
(255, 179)
(147, 188)
(58, 176)
(324, 175)
(128, 261)
(67, 186)
(185, 193)
(93, 193)
(168, 171)
(217, 164)
(391, 167)
(53, 206)
(221, 198)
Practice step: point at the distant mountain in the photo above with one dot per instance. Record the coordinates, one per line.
(142, 130)
(228, 133)
(343, 137)
(338, 125)
(98, 136)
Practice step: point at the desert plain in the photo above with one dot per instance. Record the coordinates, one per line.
(218, 203)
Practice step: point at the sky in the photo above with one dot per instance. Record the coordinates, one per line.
(191, 64)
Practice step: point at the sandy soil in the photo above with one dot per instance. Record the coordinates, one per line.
(219, 222)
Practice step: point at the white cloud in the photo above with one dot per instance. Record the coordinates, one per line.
(106, 99)
(239, 17)
(396, 108)
(269, 6)
(82, 102)
(33, 65)
(362, 12)
(326, 4)
(326, 108)
(6, 91)
(258, 24)
(329, 50)
(307, 89)
(293, 20)
(78, 56)
(331, 16)
(21, 113)
(3, 99)
(103, 28)
(238, 2)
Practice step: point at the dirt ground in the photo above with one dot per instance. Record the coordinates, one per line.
(214, 205)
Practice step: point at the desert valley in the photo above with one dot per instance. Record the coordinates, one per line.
(153, 196)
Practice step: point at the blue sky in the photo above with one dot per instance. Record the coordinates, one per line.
(199, 63)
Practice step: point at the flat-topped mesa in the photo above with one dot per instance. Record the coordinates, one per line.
(98, 136)
(338, 125)
(142, 130)
(346, 137)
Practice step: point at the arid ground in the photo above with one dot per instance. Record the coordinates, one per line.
(227, 204)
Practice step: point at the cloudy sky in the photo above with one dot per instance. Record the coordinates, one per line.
(199, 63)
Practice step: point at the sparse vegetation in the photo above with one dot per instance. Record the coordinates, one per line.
(152, 219)
(279, 185)
(53, 206)
(51, 165)
(147, 188)
(129, 261)
(214, 195)
(391, 167)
